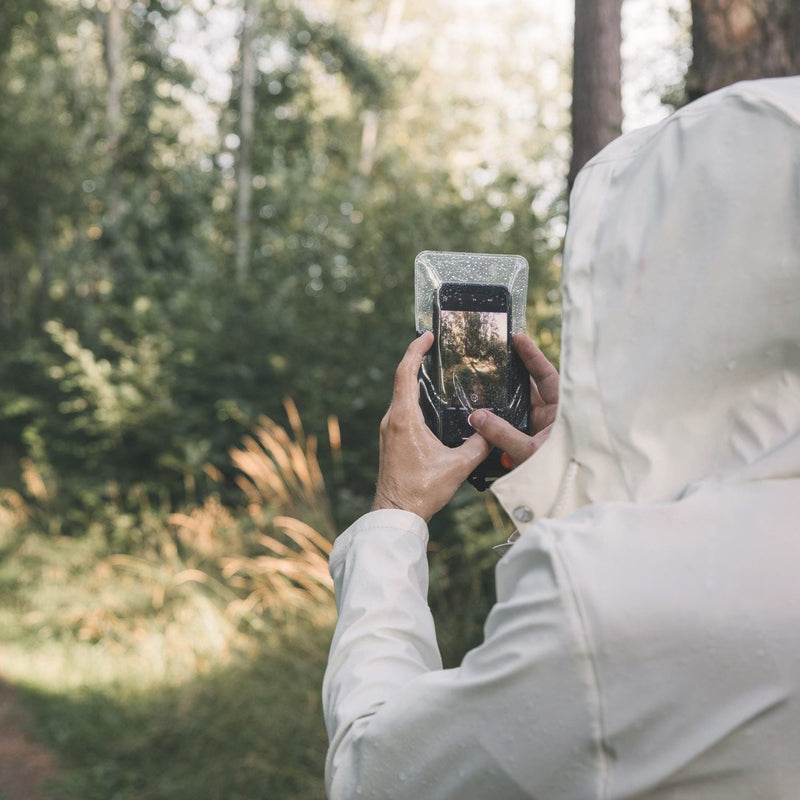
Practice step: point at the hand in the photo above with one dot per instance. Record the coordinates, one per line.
(417, 472)
(544, 403)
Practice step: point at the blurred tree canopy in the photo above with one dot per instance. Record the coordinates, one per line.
(133, 351)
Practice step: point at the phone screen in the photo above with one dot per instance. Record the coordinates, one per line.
(474, 358)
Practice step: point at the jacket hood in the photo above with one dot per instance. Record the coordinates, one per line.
(681, 309)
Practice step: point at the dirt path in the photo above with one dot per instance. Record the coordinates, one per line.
(24, 762)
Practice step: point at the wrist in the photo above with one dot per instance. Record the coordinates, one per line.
(387, 500)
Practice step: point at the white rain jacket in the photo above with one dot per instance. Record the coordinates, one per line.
(646, 636)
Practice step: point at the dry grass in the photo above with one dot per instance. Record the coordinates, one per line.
(290, 509)
(290, 574)
(280, 471)
(13, 510)
(273, 562)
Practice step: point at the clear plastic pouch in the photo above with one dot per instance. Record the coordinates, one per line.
(473, 303)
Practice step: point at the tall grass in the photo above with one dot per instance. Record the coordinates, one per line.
(210, 620)
(279, 470)
(289, 506)
(272, 563)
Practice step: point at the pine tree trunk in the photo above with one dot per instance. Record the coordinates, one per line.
(597, 70)
(737, 40)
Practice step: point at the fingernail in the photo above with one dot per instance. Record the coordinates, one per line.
(477, 418)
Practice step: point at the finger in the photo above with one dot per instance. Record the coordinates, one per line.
(406, 378)
(472, 452)
(504, 435)
(544, 374)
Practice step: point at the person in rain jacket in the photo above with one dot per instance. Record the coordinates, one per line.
(645, 642)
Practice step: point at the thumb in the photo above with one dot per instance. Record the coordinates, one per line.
(503, 435)
(461, 461)
(473, 451)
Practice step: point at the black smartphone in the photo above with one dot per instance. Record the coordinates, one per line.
(472, 355)
(472, 365)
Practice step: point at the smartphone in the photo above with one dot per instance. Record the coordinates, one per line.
(474, 366)
(472, 354)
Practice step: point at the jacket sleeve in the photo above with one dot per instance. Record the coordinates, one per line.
(517, 719)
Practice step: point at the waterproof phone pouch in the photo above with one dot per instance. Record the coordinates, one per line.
(473, 303)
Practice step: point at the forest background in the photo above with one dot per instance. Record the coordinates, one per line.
(209, 213)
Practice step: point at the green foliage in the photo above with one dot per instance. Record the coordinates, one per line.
(131, 355)
(105, 400)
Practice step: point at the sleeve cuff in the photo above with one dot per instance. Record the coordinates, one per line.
(386, 519)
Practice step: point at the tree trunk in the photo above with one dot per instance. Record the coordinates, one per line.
(112, 52)
(6, 290)
(45, 258)
(370, 119)
(737, 40)
(597, 73)
(244, 178)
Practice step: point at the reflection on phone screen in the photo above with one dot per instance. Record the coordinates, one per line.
(474, 358)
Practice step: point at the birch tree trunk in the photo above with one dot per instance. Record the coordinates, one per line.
(244, 177)
(597, 74)
(370, 119)
(112, 55)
